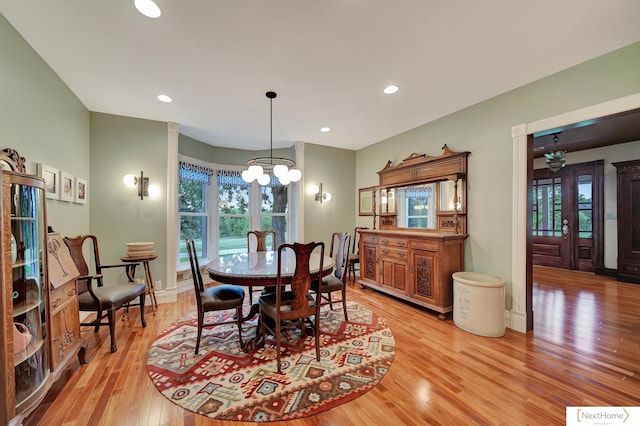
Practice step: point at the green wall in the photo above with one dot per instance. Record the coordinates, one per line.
(120, 146)
(335, 169)
(485, 130)
(45, 122)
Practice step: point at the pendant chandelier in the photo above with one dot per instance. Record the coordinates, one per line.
(259, 167)
(555, 158)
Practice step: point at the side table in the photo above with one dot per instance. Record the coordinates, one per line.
(131, 272)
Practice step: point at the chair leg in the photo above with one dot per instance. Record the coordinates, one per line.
(316, 332)
(112, 329)
(98, 321)
(344, 302)
(278, 331)
(239, 314)
(142, 320)
(261, 337)
(250, 295)
(200, 325)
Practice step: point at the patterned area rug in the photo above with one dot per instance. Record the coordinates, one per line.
(224, 383)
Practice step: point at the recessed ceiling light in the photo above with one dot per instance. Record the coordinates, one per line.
(147, 8)
(164, 98)
(325, 129)
(391, 89)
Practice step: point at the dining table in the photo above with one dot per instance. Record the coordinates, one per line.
(260, 268)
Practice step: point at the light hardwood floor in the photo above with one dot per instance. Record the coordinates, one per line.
(584, 351)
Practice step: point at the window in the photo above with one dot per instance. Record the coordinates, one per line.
(274, 209)
(217, 208)
(193, 212)
(233, 213)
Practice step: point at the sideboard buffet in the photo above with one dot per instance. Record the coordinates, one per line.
(422, 206)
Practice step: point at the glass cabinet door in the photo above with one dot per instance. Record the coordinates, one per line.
(28, 264)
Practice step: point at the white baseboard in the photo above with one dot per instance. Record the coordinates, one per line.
(516, 321)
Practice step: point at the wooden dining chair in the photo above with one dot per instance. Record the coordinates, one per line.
(337, 281)
(298, 306)
(214, 299)
(354, 256)
(257, 241)
(95, 296)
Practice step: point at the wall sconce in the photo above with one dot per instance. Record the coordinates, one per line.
(144, 189)
(320, 196)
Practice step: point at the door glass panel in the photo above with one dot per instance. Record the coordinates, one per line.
(547, 207)
(585, 206)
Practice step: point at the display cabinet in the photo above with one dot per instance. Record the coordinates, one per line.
(39, 325)
(24, 335)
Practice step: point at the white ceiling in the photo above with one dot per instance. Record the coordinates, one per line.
(328, 60)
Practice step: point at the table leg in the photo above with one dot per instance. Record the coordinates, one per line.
(253, 343)
(150, 288)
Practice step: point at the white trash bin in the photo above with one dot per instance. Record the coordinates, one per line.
(478, 303)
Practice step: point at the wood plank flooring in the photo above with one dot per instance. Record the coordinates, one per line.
(584, 350)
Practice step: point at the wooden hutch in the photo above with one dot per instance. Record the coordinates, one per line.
(422, 206)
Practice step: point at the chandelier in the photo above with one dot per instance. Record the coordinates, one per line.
(258, 168)
(555, 158)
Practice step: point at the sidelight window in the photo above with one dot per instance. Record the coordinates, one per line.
(585, 206)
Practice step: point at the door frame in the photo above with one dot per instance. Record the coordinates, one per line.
(520, 317)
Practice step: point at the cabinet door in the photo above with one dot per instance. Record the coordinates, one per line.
(368, 261)
(424, 283)
(629, 221)
(24, 275)
(394, 274)
(65, 331)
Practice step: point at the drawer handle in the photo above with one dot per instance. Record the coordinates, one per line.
(384, 251)
(400, 243)
(56, 303)
(384, 241)
(401, 253)
(71, 292)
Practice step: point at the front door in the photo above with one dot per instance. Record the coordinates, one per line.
(568, 217)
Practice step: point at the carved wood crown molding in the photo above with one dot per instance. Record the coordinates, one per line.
(13, 159)
(415, 158)
(450, 165)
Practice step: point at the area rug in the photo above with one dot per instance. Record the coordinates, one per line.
(224, 383)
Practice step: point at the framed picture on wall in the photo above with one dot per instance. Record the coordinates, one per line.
(80, 191)
(50, 176)
(365, 204)
(66, 186)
